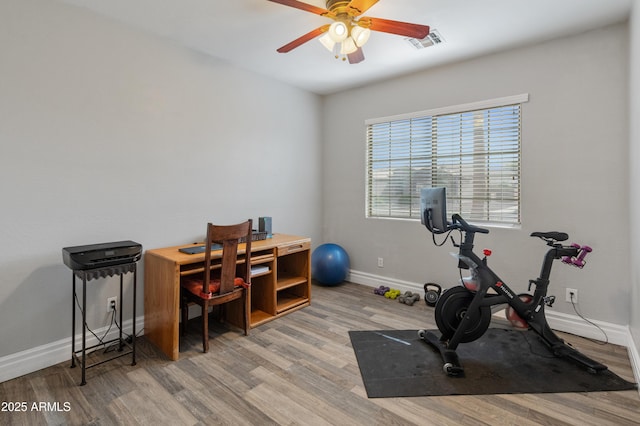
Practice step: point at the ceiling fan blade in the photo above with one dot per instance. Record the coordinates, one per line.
(358, 7)
(356, 57)
(303, 39)
(304, 6)
(395, 27)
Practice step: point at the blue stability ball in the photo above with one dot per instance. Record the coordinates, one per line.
(329, 264)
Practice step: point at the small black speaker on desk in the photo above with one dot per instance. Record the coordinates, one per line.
(264, 225)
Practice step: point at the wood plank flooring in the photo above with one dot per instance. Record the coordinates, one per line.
(297, 370)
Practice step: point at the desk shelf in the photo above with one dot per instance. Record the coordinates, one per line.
(287, 301)
(286, 282)
(259, 317)
(262, 257)
(255, 275)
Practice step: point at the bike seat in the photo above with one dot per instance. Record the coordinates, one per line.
(555, 236)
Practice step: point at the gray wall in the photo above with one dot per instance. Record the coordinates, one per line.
(109, 134)
(634, 160)
(574, 168)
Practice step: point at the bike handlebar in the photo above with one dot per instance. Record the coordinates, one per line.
(460, 223)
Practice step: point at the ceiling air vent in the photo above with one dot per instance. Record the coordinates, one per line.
(432, 39)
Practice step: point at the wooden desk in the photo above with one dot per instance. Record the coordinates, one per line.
(283, 285)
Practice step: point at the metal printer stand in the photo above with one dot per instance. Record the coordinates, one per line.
(87, 275)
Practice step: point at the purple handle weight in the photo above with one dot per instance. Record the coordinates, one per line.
(568, 259)
(579, 261)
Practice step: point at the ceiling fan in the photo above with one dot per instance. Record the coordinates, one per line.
(349, 31)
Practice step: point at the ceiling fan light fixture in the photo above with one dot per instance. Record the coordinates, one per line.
(338, 31)
(327, 42)
(360, 35)
(348, 46)
(349, 30)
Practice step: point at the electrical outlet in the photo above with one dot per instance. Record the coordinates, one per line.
(572, 295)
(380, 262)
(112, 303)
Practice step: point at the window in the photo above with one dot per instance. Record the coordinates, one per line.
(473, 150)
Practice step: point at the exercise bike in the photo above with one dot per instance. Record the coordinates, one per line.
(463, 313)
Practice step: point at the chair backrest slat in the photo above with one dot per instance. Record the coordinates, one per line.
(228, 236)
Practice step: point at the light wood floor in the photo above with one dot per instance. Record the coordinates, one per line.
(299, 369)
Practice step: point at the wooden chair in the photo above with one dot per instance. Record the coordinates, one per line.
(226, 282)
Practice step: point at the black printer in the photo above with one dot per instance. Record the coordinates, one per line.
(101, 255)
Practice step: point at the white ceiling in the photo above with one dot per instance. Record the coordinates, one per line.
(246, 33)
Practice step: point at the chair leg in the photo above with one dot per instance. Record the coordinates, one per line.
(245, 314)
(205, 327)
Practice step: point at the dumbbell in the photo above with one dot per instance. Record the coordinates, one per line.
(584, 251)
(409, 298)
(392, 293)
(568, 259)
(380, 290)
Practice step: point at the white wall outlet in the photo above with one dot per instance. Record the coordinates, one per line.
(572, 295)
(380, 262)
(112, 304)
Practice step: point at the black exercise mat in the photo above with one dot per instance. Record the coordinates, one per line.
(397, 363)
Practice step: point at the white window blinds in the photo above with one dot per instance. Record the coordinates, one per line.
(473, 150)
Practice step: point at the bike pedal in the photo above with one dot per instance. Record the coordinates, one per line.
(549, 300)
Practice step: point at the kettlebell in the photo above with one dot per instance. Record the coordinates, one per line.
(432, 293)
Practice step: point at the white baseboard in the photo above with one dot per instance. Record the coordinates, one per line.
(573, 324)
(34, 359)
(634, 356)
(375, 281)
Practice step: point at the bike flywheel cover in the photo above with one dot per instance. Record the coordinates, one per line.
(452, 308)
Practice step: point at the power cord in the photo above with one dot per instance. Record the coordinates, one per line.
(129, 337)
(433, 237)
(112, 321)
(100, 339)
(575, 308)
